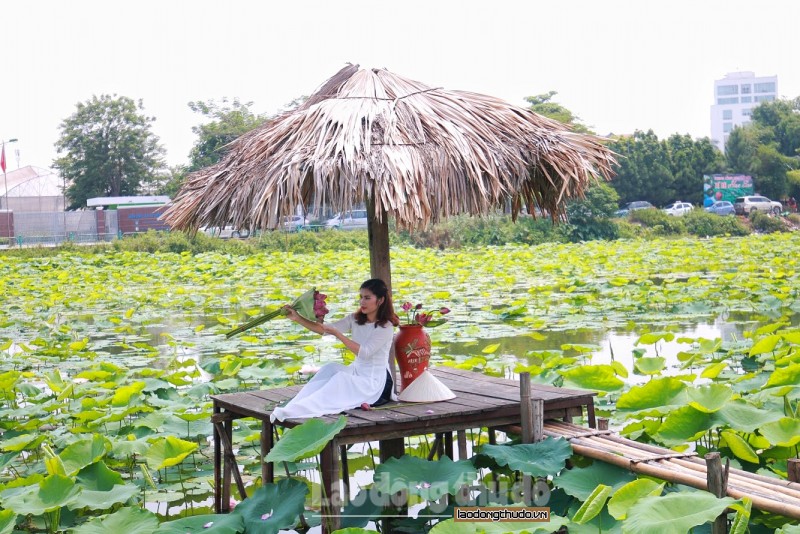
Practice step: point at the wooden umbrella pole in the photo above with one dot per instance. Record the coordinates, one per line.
(761, 503)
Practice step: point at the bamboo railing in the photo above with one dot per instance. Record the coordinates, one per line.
(770, 494)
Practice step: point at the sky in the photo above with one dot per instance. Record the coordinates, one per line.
(619, 65)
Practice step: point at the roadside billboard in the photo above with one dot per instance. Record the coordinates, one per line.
(726, 187)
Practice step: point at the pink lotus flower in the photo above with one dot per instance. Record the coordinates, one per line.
(415, 316)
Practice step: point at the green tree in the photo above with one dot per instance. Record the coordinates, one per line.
(689, 160)
(643, 169)
(768, 148)
(543, 105)
(227, 121)
(109, 149)
(590, 217)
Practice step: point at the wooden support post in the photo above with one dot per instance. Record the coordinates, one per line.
(345, 476)
(526, 410)
(230, 466)
(602, 423)
(590, 415)
(537, 432)
(793, 466)
(217, 466)
(448, 445)
(267, 468)
(393, 448)
(717, 479)
(461, 437)
(331, 513)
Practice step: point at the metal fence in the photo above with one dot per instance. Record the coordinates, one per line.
(57, 227)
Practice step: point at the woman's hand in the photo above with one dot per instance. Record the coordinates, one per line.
(328, 329)
(291, 313)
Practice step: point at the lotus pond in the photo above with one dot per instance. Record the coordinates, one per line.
(107, 362)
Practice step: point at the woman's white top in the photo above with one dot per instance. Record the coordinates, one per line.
(336, 387)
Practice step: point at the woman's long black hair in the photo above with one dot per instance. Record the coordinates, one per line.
(385, 310)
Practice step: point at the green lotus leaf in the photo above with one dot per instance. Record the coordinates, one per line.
(684, 425)
(98, 476)
(596, 377)
(8, 520)
(124, 394)
(84, 452)
(713, 370)
(630, 493)
(24, 442)
(366, 506)
(764, 345)
(168, 451)
(649, 365)
(103, 500)
(541, 459)
(652, 338)
(130, 520)
(305, 440)
(593, 505)
(217, 524)
(52, 493)
(429, 480)
(674, 513)
(785, 376)
(784, 432)
(354, 530)
(739, 447)
(709, 398)
(742, 416)
(580, 482)
(273, 507)
(659, 392)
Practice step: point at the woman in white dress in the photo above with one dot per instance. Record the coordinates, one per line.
(336, 387)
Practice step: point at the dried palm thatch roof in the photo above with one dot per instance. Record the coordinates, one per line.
(425, 153)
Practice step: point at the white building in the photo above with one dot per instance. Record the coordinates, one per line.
(735, 96)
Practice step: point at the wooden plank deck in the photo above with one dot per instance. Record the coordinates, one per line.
(481, 402)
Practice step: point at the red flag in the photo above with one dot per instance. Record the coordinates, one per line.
(3, 158)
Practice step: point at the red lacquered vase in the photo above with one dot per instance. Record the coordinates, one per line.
(413, 351)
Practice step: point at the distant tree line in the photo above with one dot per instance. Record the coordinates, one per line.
(109, 150)
(662, 171)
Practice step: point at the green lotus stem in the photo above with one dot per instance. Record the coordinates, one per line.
(304, 305)
(254, 322)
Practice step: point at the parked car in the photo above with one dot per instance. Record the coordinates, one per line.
(676, 209)
(721, 207)
(633, 206)
(226, 232)
(292, 222)
(348, 221)
(748, 204)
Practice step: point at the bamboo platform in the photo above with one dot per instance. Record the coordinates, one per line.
(481, 402)
(774, 495)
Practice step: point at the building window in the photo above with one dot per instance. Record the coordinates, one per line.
(727, 127)
(722, 101)
(768, 87)
(764, 98)
(746, 99)
(727, 114)
(727, 90)
(747, 112)
(746, 88)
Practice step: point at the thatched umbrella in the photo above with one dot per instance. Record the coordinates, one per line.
(406, 150)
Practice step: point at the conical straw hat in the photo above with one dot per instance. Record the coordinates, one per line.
(426, 388)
